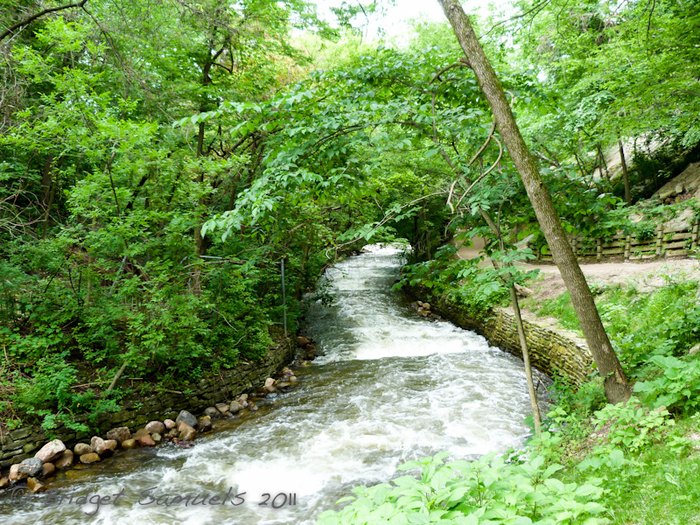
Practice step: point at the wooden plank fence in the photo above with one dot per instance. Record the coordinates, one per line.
(666, 242)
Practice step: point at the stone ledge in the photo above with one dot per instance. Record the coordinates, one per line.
(552, 352)
(24, 442)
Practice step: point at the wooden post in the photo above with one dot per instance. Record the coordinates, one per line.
(694, 237)
(628, 247)
(284, 300)
(599, 249)
(659, 240)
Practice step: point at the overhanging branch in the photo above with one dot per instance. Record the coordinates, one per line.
(27, 21)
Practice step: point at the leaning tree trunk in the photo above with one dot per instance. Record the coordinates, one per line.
(616, 386)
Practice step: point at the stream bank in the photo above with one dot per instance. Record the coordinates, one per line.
(23, 442)
(555, 353)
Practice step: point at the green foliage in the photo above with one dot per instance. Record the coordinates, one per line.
(676, 385)
(50, 395)
(467, 283)
(102, 198)
(631, 426)
(475, 289)
(632, 321)
(489, 490)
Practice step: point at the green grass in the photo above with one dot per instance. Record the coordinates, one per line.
(659, 485)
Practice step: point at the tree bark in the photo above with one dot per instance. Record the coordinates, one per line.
(48, 192)
(199, 243)
(616, 386)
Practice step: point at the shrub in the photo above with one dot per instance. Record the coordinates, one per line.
(490, 490)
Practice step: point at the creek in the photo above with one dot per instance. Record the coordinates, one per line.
(388, 386)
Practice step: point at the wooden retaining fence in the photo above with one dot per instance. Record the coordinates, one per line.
(666, 242)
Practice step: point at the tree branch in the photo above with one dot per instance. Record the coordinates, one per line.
(27, 21)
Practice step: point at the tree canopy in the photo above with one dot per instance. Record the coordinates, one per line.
(160, 159)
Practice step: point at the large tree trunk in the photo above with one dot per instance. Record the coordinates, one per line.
(616, 386)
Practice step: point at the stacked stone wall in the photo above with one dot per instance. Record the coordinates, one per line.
(552, 352)
(22, 443)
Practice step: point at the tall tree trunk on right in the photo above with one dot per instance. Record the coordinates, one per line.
(616, 386)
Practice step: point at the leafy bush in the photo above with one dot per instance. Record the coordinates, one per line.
(677, 385)
(50, 395)
(631, 426)
(490, 490)
(466, 282)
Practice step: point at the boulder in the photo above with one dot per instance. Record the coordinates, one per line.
(155, 427)
(242, 400)
(31, 467)
(34, 486)
(156, 437)
(186, 417)
(48, 470)
(212, 412)
(82, 448)
(111, 446)
(222, 408)
(129, 444)
(144, 438)
(309, 354)
(90, 457)
(65, 460)
(235, 407)
(286, 371)
(204, 424)
(15, 474)
(50, 451)
(293, 379)
(186, 432)
(119, 434)
(170, 424)
(98, 445)
(303, 341)
(4, 482)
(172, 433)
(269, 385)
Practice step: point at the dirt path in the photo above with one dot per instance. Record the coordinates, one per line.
(645, 276)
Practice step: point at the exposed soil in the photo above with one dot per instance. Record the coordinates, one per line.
(644, 276)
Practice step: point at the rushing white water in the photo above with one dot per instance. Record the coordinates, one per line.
(389, 386)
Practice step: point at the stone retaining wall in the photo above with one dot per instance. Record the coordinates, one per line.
(23, 442)
(550, 351)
